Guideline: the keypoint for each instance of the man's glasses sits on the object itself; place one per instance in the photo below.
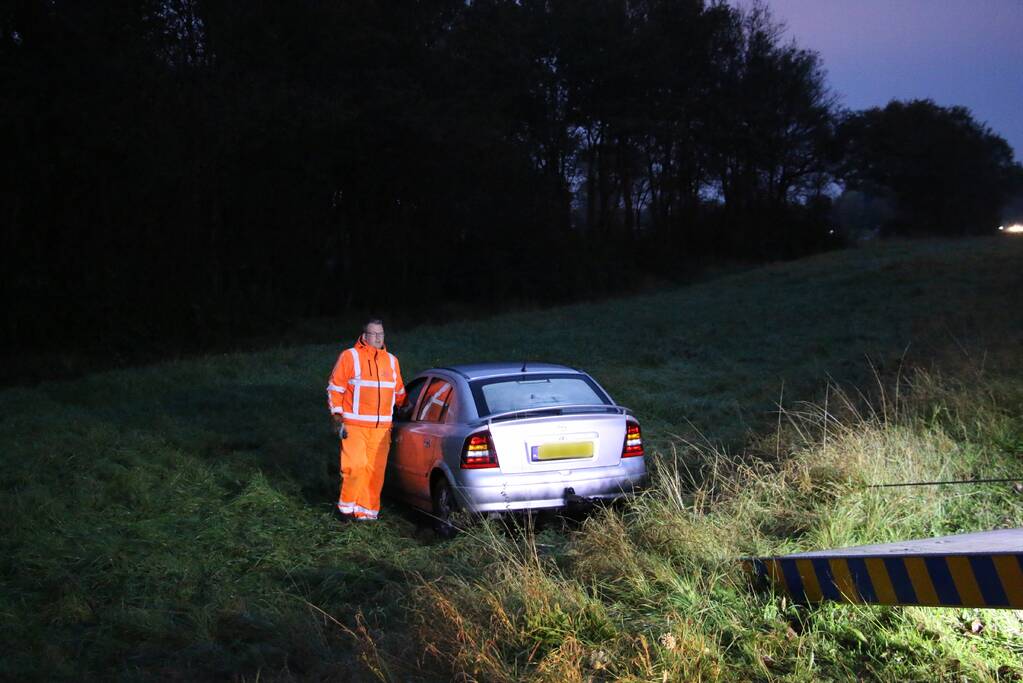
(374, 334)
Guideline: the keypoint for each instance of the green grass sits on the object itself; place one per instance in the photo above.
(173, 521)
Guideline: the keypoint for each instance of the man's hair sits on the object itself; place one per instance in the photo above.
(372, 321)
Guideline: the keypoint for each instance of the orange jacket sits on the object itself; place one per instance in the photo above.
(365, 385)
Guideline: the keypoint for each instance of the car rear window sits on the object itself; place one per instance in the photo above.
(520, 392)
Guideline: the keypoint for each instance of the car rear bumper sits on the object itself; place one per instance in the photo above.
(497, 493)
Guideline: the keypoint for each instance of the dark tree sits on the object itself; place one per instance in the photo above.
(178, 173)
(944, 172)
(773, 127)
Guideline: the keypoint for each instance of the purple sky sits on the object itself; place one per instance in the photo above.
(956, 52)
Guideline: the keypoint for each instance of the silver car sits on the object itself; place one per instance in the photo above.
(498, 437)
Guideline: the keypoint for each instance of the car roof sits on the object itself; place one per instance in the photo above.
(472, 371)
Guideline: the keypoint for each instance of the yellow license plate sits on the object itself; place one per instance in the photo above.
(562, 451)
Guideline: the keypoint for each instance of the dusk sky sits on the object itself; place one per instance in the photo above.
(956, 52)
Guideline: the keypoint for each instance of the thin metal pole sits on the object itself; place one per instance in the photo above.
(953, 481)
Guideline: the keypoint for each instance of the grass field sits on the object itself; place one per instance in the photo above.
(173, 521)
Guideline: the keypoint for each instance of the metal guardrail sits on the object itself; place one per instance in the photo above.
(982, 569)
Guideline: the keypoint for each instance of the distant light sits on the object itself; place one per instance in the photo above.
(1015, 228)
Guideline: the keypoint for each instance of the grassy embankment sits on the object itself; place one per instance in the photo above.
(173, 521)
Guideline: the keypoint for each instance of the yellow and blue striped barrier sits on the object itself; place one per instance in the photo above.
(970, 570)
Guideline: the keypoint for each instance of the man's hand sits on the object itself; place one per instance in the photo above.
(337, 424)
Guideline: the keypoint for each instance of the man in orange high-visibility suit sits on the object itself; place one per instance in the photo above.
(364, 388)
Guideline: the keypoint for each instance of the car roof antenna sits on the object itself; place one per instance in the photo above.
(523, 366)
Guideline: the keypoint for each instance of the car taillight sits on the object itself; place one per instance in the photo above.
(633, 441)
(479, 452)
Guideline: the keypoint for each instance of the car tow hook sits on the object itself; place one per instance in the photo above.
(572, 499)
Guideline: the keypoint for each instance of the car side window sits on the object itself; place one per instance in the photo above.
(404, 413)
(435, 401)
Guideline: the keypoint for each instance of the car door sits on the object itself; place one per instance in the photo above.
(403, 440)
(425, 437)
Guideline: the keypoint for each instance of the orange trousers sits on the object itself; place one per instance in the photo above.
(363, 462)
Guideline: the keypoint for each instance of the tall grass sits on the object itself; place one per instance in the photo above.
(173, 521)
(655, 591)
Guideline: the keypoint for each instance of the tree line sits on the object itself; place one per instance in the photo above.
(186, 169)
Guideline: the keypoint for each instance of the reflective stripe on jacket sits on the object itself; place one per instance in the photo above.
(365, 385)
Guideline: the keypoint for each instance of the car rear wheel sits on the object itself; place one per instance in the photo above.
(444, 507)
